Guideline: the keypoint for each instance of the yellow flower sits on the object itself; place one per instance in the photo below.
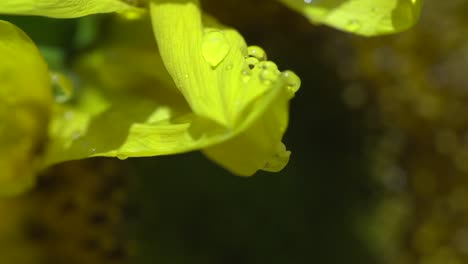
(223, 98)
(205, 89)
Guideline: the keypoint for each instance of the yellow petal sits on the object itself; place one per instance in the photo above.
(64, 8)
(142, 113)
(363, 17)
(25, 100)
(222, 82)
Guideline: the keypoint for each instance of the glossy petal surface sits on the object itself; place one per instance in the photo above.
(363, 17)
(64, 8)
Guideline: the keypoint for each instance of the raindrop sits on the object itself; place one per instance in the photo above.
(62, 87)
(251, 62)
(267, 75)
(278, 160)
(256, 52)
(292, 80)
(268, 65)
(122, 156)
(215, 47)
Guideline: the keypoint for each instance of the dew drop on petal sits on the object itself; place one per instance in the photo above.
(215, 47)
(292, 80)
(267, 75)
(278, 160)
(122, 156)
(251, 62)
(269, 65)
(256, 52)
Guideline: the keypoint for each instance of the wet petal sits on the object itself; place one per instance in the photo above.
(240, 92)
(25, 100)
(364, 17)
(65, 8)
(142, 113)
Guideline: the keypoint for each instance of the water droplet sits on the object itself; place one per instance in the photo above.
(268, 65)
(267, 75)
(215, 47)
(251, 62)
(292, 80)
(122, 156)
(229, 67)
(133, 14)
(256, 52)
(62, 87)
(92, 150)
(278, 160)
(353, 25)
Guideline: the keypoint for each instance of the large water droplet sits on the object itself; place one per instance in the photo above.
(215, 47)
(62, 87)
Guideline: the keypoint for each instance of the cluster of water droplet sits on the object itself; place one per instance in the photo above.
(256, 62)
(215, 48)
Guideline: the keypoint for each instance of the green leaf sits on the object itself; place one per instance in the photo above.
(64, 8)
(363, 17)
